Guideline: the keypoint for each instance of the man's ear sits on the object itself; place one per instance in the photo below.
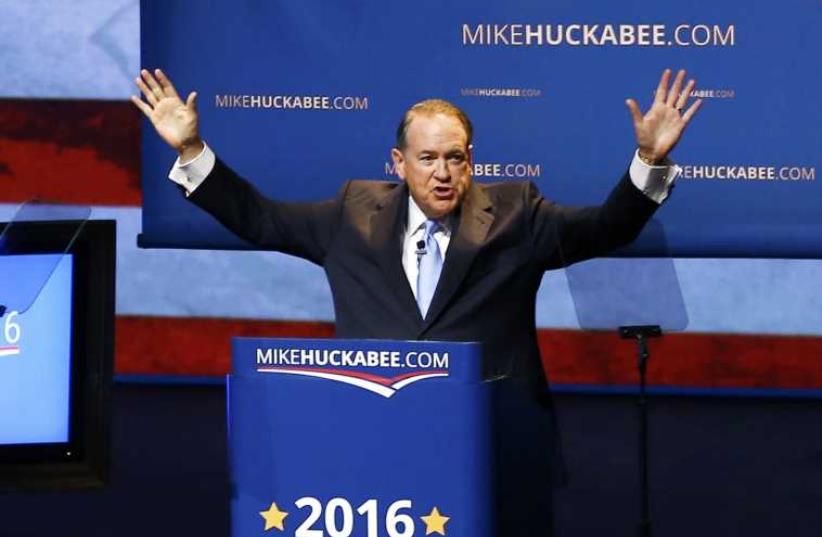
(470, 152)
(399, 162)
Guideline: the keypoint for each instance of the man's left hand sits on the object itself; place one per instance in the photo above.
(659, 130)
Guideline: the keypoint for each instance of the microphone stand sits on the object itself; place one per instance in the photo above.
(641, 333)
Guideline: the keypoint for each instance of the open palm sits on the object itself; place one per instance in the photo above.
(174, 120)
(661, 127)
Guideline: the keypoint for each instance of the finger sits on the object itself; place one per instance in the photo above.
(686, 93)
(143, 107)
(673, 95)
(168, 88)
(191, 101)
(686, 117)
(636, 114)
(152, 83)
(149, 95)
(662, 88)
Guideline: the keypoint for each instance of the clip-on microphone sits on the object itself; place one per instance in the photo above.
(420, 251)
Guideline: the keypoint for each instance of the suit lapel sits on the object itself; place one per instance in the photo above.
(387, 224)
(476, 217)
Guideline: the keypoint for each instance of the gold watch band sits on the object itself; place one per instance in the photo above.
(646, 160)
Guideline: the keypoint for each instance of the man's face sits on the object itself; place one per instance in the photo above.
(436, 163)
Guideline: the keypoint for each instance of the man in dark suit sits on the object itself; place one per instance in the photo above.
(437, 257)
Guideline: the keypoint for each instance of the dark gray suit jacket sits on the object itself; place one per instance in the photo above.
(507, 235)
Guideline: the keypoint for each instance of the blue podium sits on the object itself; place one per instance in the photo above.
(364, 438)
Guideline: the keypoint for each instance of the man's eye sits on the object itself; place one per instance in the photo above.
(426, 158)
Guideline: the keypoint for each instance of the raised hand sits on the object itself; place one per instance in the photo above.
(659, 130)
(174, 120)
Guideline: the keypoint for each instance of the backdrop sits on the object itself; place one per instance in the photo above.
(68, 132)
(299, 96)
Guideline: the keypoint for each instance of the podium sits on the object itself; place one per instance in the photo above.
(367, 438)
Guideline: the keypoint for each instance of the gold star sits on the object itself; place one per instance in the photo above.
(435, 522)
(273, 517)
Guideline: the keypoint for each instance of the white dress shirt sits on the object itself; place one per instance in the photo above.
(415, 232)
(654, 181)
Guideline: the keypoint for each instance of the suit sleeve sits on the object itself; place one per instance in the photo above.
(565, 235)
(305, 230)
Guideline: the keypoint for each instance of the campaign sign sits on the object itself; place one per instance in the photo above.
(359, 438)
(301, 96)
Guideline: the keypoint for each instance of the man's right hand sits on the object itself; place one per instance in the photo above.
(174, 120)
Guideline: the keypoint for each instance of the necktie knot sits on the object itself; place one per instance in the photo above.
(431, 227)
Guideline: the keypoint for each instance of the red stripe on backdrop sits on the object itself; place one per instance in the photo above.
(192, 346)
(84, 152)
(686, 359)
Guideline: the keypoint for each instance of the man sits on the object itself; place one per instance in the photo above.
(437, 257)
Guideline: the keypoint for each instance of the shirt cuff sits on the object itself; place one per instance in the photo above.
(656, 182)
(191, 174)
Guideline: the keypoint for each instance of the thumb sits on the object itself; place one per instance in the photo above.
(191, 101)
(636, 115)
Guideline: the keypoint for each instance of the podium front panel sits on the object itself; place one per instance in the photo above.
(359, 438)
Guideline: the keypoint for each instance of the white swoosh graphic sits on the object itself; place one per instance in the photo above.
(379, 389)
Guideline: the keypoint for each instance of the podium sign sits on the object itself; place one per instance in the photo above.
(364, 438)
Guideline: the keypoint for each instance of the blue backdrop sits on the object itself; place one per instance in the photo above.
(299, 96)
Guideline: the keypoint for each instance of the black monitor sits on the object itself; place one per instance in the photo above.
(56, 354)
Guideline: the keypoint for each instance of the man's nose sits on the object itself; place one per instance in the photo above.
(441, 172)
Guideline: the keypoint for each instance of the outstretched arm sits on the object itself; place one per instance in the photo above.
(302, 229)
(565, 235)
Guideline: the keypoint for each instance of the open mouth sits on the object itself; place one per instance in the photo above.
(444, 192)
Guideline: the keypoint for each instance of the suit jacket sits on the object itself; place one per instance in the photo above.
(506, 236)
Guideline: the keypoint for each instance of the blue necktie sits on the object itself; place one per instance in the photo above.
(430, 265)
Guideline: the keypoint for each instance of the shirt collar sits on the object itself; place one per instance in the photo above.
(417, 218)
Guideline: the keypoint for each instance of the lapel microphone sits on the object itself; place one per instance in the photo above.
(420, 251)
